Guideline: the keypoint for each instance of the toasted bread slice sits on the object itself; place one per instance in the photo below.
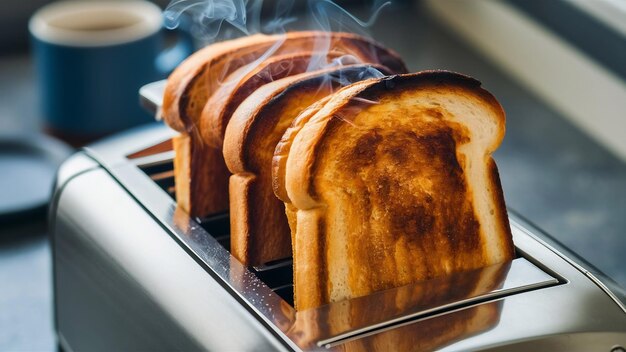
(259, 228)
(201, 184)
(279, 160)
(279, 163)
(393, 183)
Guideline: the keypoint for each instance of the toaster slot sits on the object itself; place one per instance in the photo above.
(277, 275)
(217, 226)
(160, 168)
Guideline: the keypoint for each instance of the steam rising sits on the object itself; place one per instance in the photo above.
(325, 13)
(207, 18)
(210, 19)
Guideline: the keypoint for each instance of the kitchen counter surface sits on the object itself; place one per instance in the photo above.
(552, 173)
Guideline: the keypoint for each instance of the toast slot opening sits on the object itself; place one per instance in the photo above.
(159, 166)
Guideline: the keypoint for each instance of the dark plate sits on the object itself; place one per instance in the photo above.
(28, 165)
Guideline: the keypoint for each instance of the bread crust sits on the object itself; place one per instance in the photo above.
(501, 215)
(469, 201)
(279, 161)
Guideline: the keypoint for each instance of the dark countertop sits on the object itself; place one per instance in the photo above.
(552, 173)
(26, 290)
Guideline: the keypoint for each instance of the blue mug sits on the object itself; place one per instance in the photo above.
(92, 57)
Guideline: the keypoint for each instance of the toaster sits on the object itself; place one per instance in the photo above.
(134, 272)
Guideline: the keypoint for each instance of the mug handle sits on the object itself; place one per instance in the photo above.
(171, 57)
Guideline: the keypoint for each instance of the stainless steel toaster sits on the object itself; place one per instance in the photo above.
(133, 272)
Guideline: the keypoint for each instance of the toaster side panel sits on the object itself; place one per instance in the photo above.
(122, 283)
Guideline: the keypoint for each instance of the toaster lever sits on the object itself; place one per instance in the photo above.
(151, 97)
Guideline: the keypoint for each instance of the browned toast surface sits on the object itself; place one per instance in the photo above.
(394, 183)
(259, 227)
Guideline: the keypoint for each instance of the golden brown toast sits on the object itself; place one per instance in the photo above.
(259, 228)
(393, 182)
(201, 183)
(279, 163)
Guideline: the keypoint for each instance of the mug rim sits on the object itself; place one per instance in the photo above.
(149, 15)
